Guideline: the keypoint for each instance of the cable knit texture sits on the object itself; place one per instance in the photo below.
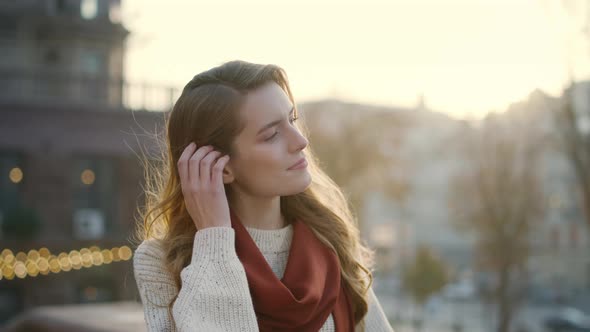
(214, 295)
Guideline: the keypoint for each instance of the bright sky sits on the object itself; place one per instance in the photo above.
(466, 57)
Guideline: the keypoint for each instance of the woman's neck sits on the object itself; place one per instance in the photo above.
(259, 213)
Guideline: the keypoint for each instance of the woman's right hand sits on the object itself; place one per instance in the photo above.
(202, 186)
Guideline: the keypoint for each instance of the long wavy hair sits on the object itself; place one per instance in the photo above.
(207, 113)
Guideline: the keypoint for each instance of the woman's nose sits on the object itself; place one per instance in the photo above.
(300, 141)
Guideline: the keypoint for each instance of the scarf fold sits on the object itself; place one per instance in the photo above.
(310, 290)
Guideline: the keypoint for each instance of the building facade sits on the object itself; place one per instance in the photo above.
(71, 137)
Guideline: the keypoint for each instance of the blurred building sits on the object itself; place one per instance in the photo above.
(70, 135)
(566, 246)
(428, 148)
(423, 218)
(422, 144)
(560, 253)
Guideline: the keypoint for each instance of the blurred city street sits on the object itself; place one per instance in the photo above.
(470, 314)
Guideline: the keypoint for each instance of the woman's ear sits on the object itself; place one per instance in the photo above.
(228, 174)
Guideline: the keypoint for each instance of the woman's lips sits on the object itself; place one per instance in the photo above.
(302, 163)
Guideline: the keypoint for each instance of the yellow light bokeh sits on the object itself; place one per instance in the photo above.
(43, 265)
(32, 269)
(115, 253)
(87, 177)
(63, 260)
(86, 260)
(6, 252)
(54, 265)
(97, 258)
(7, 271)
(107, 256)
(64, 263)
(44, 252)
(76, 260)
(9, 259)
(75, 257)
(15, 175)
(33, 255)
(43, 262)
(125, 253)
(21, 257)
(20, 270)
(9, 275)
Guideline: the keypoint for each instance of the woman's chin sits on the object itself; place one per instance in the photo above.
(300, 186)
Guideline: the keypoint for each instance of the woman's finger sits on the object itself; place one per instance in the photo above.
(205, 168)
(183, 163)
(217, 178)
(194, 161)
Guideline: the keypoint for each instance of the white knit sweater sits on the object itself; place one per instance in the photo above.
(214, 295)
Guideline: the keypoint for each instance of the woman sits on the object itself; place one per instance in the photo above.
(242, 231)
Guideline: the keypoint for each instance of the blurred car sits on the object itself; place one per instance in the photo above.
(568, 319)
(542, 295)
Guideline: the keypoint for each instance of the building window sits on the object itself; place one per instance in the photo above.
(88, 9)
(61, 5)
(11, 168)
(12, 177)
(94, 197)
(91, 62)
(64, 7)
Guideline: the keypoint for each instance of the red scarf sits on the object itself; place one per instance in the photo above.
(309, 291)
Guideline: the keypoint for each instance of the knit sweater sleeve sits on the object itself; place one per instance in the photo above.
(376, 320)
(214, 294)
(156, 286)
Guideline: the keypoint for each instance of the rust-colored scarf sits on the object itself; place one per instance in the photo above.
(309, 291)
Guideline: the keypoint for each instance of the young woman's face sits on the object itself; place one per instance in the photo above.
(268, 146)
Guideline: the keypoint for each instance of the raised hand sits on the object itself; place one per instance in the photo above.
(202, 186)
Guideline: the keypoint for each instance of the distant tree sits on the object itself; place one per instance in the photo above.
(573, 126)
(498, 197)
(424, 276)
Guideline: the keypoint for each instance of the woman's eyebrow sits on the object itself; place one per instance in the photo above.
(274, 123)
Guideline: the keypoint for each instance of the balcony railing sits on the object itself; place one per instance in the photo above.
(62, 88)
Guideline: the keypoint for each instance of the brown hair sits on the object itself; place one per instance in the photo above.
(207, 113)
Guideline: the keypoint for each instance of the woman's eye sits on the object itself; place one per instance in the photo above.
(273, 136)
(276, 133)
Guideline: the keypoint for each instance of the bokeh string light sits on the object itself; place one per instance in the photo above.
(41, 261)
